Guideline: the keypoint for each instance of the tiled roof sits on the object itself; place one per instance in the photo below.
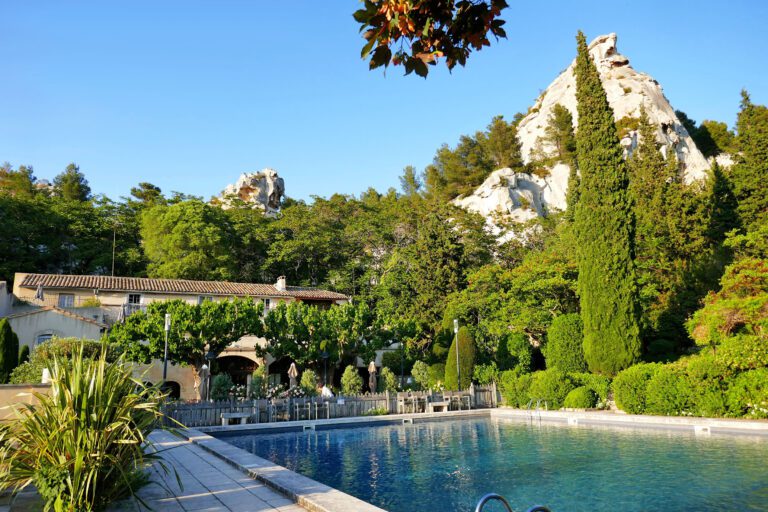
(174, 286)
(55, 310)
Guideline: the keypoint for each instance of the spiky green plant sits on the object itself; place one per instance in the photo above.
(83, 446)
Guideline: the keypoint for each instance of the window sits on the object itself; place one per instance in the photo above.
(66, 300)
(204, 298)
(267, 305)
(42, 338)
(134, 298)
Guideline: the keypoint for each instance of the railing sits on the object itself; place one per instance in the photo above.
(203, 414)
(492, 496)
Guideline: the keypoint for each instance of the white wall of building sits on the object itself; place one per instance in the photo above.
(29, 327)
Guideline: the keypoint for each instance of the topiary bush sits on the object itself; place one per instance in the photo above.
(707, 381)
(466, 361)
(420, 373)
(600, 385)
(387, 381)
(9, 350)
(351, 381)
(629, 387)
(551, 385)
(221, 386)
(667, 392)
(564, 348)
(514, 387)
(580, 398)
(309, 382)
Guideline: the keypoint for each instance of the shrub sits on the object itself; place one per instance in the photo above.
(707, 382)
(515, 351)
(486, 373)
(351, 381)
(580, 398)
(309, 383)
(387, 380)
(83, 445)
(552, 386)
(222, 384)
(259, 381)
(629, 387)
(514, 387)
(744, 352)
(9, 350)
(420, 374)
(394, 359)
(437, 376)
(466, 361)
(667, 392)
(62, 350)
(24, 354)
(600, 385)
(748, 394)
(564, 348)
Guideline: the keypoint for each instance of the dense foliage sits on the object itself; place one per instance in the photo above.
(564, 349)
(604, 225)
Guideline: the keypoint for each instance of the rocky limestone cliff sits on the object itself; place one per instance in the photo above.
(263, 189)
(627, 90)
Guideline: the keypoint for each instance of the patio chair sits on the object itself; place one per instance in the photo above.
(278, 410)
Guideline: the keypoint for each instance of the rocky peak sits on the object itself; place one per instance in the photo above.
(628, 91)
(263, 189)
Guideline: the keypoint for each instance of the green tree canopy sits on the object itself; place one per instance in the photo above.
(604, 225)
(71, 184)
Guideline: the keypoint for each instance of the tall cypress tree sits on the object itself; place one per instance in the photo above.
(604, 224)
(750, 174)
(9, 350)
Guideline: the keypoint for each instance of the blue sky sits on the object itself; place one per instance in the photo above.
(188, 95)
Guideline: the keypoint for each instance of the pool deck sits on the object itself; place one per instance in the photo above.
(209, 484)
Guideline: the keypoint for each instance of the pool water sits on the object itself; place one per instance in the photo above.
(447, 466)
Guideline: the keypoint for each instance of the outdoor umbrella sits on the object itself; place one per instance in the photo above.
(203, 389)
(293, 373)
(372, 377)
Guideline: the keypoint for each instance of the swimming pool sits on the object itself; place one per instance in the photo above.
(448, 465)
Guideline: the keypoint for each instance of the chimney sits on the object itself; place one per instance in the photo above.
(280, 284)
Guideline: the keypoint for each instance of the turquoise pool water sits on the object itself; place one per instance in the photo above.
(447, 466)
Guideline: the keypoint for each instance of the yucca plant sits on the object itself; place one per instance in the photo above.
(83, 446)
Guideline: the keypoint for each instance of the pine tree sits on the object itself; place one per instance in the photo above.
(750, 174)
(604, 224)
(466, 361)
(9, 350)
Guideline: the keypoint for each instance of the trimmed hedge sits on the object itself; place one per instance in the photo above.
(668, 392)
(552, 386)
(564, 348)
(580, 398)
(629, 387)
(514, 387)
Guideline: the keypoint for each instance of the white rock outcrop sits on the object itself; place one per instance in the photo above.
(263, 189)
(627, 91)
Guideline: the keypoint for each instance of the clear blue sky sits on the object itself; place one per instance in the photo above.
(188, 95)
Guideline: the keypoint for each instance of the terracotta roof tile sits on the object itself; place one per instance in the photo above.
(172, 286)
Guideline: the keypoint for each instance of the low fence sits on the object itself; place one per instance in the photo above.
(203, 414)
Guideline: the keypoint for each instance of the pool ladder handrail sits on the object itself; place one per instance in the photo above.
(538, 408)
(493, 496)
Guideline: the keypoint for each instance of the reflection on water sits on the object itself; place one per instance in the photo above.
(448, 465)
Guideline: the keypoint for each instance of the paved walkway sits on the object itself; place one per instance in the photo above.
(209, 484)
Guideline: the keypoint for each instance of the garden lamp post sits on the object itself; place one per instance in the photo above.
(402, 365)
(165, 353)
(458, 368)
(209, 356)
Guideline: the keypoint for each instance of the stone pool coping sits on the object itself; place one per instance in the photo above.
(697, 425)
